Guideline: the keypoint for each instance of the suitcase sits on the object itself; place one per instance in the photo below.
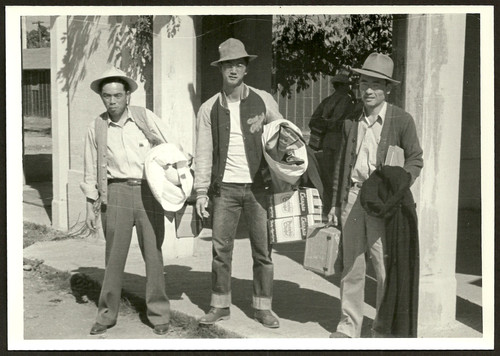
(323, 251)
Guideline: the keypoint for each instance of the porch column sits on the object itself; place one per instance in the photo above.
(60, 120)
(433, 95)
(176, 98)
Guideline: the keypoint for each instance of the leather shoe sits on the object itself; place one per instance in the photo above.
(161, 329)
(266, 318)
(339, 335)
(214, 315)
(291, 159)
(98, 329)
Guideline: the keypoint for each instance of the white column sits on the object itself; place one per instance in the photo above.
(24, 33)
(434, 84)
(60, 121)
(176, 100)
(175, 88)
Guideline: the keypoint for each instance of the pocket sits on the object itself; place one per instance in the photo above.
(144, 146)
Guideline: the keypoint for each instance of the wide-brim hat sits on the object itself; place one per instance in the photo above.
(232, 49)
(169, 175)
(113, 72)
(377, 65)
(340, 78)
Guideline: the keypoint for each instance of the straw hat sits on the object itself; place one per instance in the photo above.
(113, 72)
(232, 49)
(168, 175)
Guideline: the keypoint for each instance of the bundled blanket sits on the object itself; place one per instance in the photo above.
(386, 194)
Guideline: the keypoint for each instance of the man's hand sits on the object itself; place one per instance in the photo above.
(334, 216)
(201, 207)
(91, 220)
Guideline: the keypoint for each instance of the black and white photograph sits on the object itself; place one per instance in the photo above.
(250, 177)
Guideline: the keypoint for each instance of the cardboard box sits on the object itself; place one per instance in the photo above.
(187, 222)
(290, 229)
(322, 250)
(304, 201)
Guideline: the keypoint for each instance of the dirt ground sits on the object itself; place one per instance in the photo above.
(37, 135)
(51, 311)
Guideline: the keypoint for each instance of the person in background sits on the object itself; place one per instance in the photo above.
(229, 163)
(367, 134)
(326, 122)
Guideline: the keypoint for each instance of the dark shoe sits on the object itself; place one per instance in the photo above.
(266, 318)
(291, 159)
(214, 315)
(339, 335)
(98, 329)
(161, 329)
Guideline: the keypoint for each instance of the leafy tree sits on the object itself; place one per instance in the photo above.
(33, 38)
(307, 46)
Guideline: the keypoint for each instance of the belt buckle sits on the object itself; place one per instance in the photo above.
(134, 181)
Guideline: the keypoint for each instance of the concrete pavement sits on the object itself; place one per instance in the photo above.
(306, 303)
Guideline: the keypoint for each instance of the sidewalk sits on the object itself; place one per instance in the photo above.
(306, 303)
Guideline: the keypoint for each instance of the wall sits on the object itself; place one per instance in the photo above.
(88, 46)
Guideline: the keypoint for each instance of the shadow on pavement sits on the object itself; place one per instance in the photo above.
(290, 301)
(295, 251)
(86, 282)
(38, 174)
(37, 167)
(470, 314)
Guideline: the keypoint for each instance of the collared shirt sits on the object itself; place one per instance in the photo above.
(367, 145)
(127, 149)
(237, 170)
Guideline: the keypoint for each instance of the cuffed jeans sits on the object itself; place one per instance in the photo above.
(128, 206)
(233, 199)
(360, 233)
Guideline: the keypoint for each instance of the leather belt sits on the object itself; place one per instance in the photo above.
(129, 181)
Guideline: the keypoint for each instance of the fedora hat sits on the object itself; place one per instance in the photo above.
(113, 72)
(168, 175)
(232, 49)
(377, 65)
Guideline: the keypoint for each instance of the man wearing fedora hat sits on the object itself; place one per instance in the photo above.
(114, 184)
(228, 167)
(327, 121)
(367, 134)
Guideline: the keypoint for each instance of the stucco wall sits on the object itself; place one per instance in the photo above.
(90, 48)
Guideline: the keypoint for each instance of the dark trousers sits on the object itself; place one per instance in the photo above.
(128, 206)
(233, 199)
(327, 165)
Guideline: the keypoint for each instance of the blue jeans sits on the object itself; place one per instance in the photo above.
(228, 205)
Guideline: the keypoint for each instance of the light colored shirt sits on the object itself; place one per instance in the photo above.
(237, 170)
(127, 149)
(367, 145)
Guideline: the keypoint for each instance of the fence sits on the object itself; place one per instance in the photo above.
(300, 106)
(36, 93)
